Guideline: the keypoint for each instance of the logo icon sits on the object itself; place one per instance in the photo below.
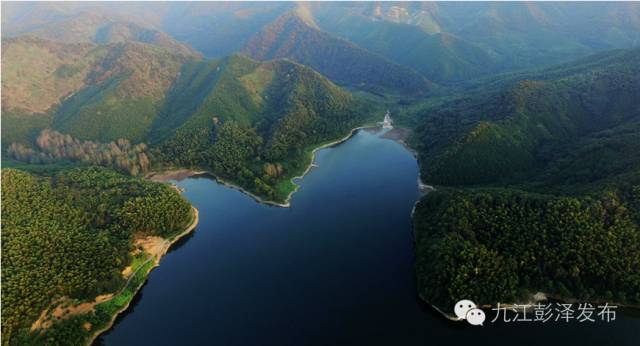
(475, 317)
(467, 310)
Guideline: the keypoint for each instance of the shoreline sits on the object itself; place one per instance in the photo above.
(400, 135)
(313, 158)
(156, 263)
(183, 173)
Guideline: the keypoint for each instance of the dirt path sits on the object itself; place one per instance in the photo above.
(158, 250)
(64, 307)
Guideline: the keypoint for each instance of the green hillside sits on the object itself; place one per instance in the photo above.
(124, 93)
(102, 92)
(295, 38)
(249, 122)
(254, 123)
(535, 170)
(504, 245)
(99, 27)
(506, 127)
(69, 237)
(440, 57)
(37, 74)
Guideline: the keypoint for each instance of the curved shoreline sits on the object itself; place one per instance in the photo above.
(313, 159)
(165, 249)
(182, 173)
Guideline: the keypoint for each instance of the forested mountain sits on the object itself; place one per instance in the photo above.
(446, 42)
(101, 28)
(90, 91)
(525, 116)
(440, 56)
(254, 123)
(521, 34)
(504, 245)
(293, 37)
(250, 122)
(71, 235)
(518, 123)
(542, 172)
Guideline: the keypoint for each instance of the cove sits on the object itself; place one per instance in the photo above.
(336, 268)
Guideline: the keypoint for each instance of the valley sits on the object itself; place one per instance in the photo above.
(351, 269)
(509, 168)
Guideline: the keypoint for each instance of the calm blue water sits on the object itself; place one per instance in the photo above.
(334, 269)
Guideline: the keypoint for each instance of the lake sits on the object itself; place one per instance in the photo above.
(336, 268)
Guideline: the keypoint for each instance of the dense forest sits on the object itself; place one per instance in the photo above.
(294, 37)
(440, 57)
(249, 122)
(537, 171)
(539, 176)
(502, 245)
(258, 123)
(70, 235)
(513, 126)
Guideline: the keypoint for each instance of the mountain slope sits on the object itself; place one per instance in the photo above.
(511, 124)
(37, 74)
(250, 122)
(93, 26)
(90, 91)
(440, 57)
(290, 36)
(254, 121)
(541, 175)
(124, 93)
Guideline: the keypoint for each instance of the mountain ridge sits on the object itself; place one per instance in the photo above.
(342, 61)
(103, 28)
(533, 169)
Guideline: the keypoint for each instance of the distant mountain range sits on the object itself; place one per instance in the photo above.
(102, 28)
(525, 116)
(445, 42)
(179, 103)
(290, 36)
(101, 71)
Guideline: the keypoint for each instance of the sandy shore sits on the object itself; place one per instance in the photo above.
(177, 174)
(160, 248)
(183, 173)
(400, 135)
